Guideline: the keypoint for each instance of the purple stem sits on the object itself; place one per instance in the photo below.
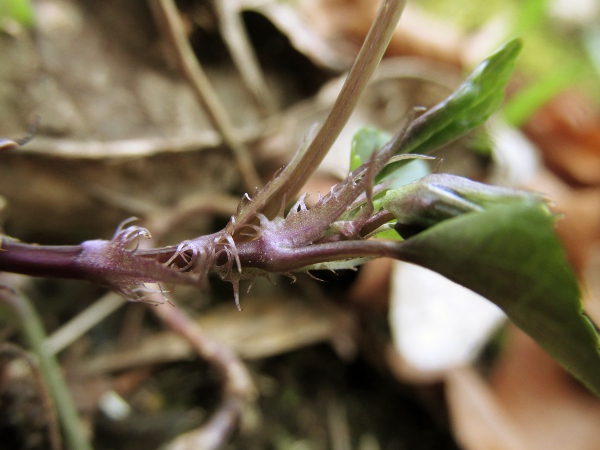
(280, 259)
(38, 260)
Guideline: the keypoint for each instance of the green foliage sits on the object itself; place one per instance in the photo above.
(468, 107)
(368, 140)
(364, 142)
(528, 100)
(497, 242)
(509, 253)
(19, 10)
(530, 15)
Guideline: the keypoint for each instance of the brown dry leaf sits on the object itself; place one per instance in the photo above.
(478, 421)
(351, 19)
(329, 32)
(579, 230)
(551, 409)
(102, 90)
(567, 132)
(531, 403)
(269, 326)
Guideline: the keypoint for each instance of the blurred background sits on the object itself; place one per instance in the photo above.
(387, 357)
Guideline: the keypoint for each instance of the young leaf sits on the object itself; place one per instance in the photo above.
(364, 142)
(510, 254)
(441, 196)
(469, 106)
(368, 140)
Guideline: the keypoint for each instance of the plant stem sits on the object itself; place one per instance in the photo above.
(376, 221)
(282, 260)
(39, 260)
(36, 335)
(359, 76)
(306, 161)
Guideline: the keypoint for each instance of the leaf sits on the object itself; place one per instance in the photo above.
(368, 140)
(364, 142)
(510, 254)
(469, 106)
(441, 196)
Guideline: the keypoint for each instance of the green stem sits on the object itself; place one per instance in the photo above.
(34, 332)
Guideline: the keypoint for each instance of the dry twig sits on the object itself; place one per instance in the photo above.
(168, 15)
(233, 33)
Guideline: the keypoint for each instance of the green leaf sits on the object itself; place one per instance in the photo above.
(369, 139)
(364, 142)
(510, 254)
(469, 106)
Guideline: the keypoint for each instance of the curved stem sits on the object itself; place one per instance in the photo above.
(377, 220)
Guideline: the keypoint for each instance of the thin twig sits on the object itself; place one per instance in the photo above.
(83, 322)
(238, 388)
(361, 72)
(168, 15)
(243, 56)
(34, 332)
